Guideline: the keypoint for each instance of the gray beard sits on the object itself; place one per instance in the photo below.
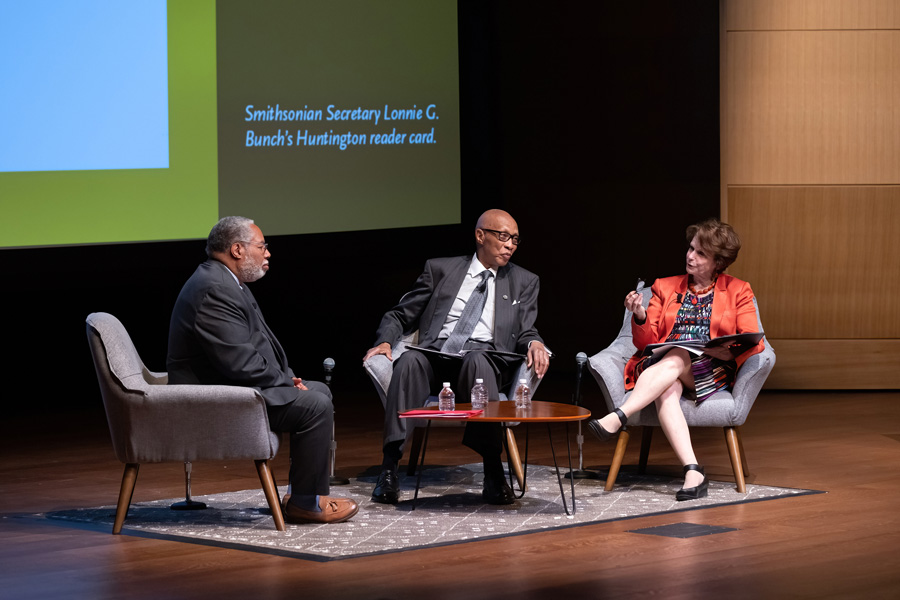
(250, 273)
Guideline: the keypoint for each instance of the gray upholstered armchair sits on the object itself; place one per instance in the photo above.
(724, 409)
(152, 422)
(380, 369)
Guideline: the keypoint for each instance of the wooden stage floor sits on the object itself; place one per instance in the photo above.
(843, 544)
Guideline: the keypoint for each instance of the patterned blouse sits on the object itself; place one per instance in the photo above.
(692, 323)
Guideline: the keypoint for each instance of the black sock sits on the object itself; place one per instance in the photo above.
(493, 466)
(392, 456)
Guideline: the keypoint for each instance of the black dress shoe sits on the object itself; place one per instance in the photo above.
(497, 491)
(598, 430)
(387, 488)
(696, 492)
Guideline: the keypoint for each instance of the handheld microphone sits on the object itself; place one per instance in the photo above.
(580, 359)
(328, 365)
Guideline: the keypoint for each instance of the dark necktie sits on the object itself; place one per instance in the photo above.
(469, 317)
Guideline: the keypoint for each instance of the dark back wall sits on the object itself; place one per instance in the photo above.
(597, 128)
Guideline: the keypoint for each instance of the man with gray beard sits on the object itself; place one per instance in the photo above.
(217, 335)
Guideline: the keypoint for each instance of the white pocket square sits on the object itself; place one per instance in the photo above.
(515, 302)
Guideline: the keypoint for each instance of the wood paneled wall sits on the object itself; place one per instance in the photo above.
(811, 181)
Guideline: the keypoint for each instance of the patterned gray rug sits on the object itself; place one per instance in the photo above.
(449, 511)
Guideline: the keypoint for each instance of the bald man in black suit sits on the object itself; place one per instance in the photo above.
(434, 306)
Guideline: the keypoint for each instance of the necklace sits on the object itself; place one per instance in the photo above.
(697, 292)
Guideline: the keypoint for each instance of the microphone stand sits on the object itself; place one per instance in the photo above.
(580, 359)
(328, 365)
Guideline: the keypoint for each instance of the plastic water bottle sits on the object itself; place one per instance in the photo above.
(446, 399)
(523, 394)
(479, 395)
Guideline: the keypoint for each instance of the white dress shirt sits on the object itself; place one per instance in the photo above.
(484, 330)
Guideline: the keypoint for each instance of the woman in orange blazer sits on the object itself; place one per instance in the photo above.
(703, 304)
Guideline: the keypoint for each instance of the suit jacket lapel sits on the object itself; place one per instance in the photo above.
(445, 294)
(261, 323)
(503, 309)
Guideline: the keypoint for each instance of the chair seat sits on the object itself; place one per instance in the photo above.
(720, 409)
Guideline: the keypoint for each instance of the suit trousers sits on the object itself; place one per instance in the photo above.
(310, 420)
(417, 374)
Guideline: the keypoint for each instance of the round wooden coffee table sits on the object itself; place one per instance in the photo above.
(505, 412)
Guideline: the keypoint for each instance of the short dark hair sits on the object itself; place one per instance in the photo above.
(226, 232)
(717, 238)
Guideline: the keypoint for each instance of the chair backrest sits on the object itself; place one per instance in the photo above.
(111, 343)
(121, 374)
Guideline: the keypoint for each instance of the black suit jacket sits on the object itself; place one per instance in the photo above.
(217, 335)
(427, 305)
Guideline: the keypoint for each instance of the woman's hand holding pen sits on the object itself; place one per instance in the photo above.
(634, 302)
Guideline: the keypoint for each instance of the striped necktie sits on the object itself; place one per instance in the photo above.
(469, 317)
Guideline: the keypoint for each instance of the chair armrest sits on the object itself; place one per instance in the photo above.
(155, 378)
(195, 422)
(749, 381)
(380, 369)
(527, 373)
(608, 369)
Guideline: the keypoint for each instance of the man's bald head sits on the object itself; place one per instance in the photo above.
(495, 218)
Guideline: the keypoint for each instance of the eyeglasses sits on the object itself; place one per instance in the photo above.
(263, 245)
(503, 236)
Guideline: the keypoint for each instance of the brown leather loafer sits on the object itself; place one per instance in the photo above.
(333, 510)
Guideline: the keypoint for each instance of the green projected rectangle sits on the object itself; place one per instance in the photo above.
(306, 116)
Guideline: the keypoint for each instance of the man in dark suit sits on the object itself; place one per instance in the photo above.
(436, 305)
(217, 335)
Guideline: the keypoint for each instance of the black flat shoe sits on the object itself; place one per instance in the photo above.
(387, 488)
(696, 492)
(604, 435)
(497, 491)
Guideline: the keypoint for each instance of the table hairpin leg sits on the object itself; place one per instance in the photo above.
(421, 464)
(559, 478)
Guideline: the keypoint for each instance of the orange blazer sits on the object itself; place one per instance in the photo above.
(732, 312)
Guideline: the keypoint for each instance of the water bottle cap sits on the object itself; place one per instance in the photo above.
(446, 384)
(479, 381)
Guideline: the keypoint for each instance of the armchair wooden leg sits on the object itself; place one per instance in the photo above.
(415, 448)
(515, 461)
(646, 438)
(618, 457)
(733, 440)
(126, 491)
(737, 431)
(268, 486)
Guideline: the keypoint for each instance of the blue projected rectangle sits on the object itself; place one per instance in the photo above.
(84, 85)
